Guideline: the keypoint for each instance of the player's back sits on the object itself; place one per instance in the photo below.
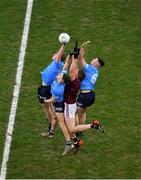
(71, 91)
(51, 71)
(91, 76)
(57, 91)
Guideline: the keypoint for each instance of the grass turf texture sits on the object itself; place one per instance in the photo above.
(113, 27)
(11, 24)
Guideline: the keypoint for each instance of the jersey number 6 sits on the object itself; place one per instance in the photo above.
(94, 77)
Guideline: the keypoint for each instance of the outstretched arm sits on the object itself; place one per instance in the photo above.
(74, 68)
(67, 63)
(81, 57)
(59, 54)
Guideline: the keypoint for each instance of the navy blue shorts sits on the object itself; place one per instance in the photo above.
(43, 93)
(59, 107)
(85, 99)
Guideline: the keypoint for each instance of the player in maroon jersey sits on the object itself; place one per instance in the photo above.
(71, 91)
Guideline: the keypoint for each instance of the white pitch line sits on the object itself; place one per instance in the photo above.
(16, 91)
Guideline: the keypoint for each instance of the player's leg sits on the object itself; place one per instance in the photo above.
(81, 108)
(62, 124)
(85, 99)
(53, 120)
(44, 93)
(59, 108)
(81, 114)
(69, 113)
(47, 112)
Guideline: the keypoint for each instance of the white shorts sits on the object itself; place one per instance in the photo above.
(70, 110)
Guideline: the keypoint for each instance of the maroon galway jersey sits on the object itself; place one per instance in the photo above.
(71, 91)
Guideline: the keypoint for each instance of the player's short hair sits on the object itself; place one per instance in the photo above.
(81, 74)
(66, 79)
(101, 62)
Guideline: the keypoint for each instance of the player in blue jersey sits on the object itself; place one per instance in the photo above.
(86, 96)
(48, 76)
(57, 98)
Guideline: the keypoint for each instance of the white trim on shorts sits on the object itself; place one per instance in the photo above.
(70, 110)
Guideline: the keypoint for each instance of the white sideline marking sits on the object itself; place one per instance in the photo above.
(16, 91)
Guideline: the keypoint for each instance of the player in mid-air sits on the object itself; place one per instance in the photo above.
(57, 98)
(71, 91)
(86, 96)
(48, 76)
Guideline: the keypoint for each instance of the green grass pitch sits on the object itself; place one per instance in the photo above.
(114, 29)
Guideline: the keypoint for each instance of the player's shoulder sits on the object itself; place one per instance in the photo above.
(86, 65)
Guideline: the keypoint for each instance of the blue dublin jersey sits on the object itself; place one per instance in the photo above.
(91, 74)
(57, 91)
(51, 71)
